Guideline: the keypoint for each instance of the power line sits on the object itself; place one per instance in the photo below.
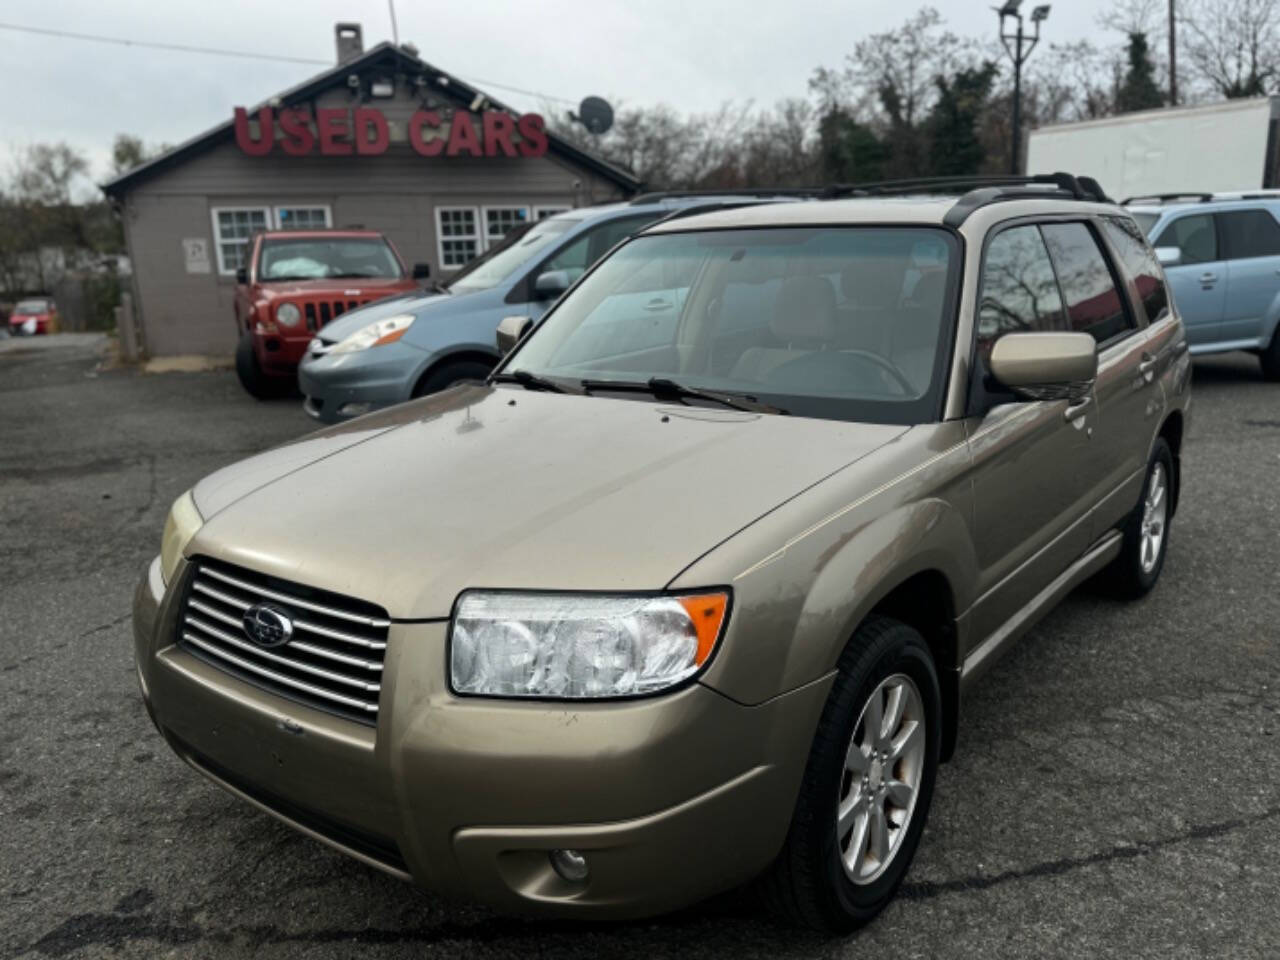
(245, 54)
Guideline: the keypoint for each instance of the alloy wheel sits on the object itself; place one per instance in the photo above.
(1155, 512)
(883, 769)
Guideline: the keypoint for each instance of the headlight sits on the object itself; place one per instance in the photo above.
(375, 334)
(180, 526)
(580, 646)
(288, 314)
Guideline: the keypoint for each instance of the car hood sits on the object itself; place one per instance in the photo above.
(335, 288)
(423, 306)
(497, 487)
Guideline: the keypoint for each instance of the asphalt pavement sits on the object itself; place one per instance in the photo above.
(1116, 791)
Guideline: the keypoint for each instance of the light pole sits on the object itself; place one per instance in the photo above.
(1018, 45)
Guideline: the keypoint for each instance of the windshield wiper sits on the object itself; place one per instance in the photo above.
(665, 389)
(530, 381)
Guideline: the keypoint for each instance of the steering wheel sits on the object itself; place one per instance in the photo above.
(908, 388)
(824, 361)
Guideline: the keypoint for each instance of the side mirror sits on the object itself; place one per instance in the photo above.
(421, 271)
(1169, 256)
(1045, 366)
(510, 331)
(242, 275)
(551, 284)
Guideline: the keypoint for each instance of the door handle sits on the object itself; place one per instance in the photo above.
(1147, 368)
(1208, 278)
(655, 305)
(1076, 410)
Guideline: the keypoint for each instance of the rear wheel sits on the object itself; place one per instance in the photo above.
(1270, 358)
(867, 787)
(257, 383)
(450, 372)
(1146, 532)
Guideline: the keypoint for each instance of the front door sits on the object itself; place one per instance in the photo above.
(1029, 503)
(1199, 281)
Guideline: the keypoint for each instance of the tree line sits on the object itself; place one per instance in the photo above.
(924, 100)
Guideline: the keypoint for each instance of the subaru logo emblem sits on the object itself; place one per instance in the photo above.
(268, 625)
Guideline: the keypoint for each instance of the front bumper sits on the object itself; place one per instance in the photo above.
(671, 798)
(340, 387)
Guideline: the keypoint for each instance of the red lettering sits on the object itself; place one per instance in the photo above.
(332, 124)
(533, 136)
(266, 132)
(372, 136)
(419, 120)
(462, 136)
(298, 139)
(498, 127)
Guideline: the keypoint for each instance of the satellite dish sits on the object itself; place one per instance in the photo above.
(595, 114)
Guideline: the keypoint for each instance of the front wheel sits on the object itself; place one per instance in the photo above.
(448, 373)
(865, 795)
(1270, 358)
(258, 384)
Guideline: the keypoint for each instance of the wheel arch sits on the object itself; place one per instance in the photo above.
(1171, 430)
(470, 353)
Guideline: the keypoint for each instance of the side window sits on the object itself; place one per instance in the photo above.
(593, 244)
(1140, 262)
(1194, 236)
(1019, 290)
(1249, 233)
(1093, 303)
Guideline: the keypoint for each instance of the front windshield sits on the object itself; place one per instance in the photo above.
(1145, 221)
(29, 308)
(320, 258)
(841, 322)
(502, 263)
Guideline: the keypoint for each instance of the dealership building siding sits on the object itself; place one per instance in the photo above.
(198, 190)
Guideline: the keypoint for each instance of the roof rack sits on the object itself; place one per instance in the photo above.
(742, 192)
(1197, 196)
(978, 191)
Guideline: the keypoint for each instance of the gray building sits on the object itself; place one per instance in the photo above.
(383, 141)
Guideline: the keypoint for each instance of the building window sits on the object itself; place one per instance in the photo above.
(458, 233)
(232, 227)
(498, 221)
(302, 218)
(541, 213)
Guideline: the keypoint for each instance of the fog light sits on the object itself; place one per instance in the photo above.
(354, 409)
(570, 864)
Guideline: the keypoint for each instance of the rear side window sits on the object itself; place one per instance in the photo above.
(1140, 262)
(1093, 303)
(1194, 236)
(1019, 292)
(1249, 233)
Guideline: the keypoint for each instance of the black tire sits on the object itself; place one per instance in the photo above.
(1127, 577)
(807, 884)
(258, 384)
(1270, 359)
(450, 372)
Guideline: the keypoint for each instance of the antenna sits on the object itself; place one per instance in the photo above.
(595, 114)
(395, 31)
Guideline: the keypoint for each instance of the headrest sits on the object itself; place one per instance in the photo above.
(873, 281)
(805, 310)
(930, 289)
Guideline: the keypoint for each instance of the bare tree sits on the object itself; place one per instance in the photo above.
(1233, 44)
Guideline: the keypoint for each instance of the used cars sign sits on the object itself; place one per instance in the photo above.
(340, 132)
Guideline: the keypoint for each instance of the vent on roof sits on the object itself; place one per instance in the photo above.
(349, 41)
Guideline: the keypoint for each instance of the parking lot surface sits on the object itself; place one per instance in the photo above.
(1116, 791)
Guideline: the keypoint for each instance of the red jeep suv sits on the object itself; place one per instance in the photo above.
(296, 282)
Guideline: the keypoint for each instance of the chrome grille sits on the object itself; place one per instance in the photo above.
(333, 661)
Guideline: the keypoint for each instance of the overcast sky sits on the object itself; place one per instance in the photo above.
(693, 54)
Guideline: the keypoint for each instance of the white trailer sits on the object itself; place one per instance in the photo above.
(1221, 147)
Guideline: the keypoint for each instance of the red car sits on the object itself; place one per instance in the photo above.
(295, 283)
(37, 315)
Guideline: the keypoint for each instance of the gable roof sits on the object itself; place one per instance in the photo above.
(385, 56)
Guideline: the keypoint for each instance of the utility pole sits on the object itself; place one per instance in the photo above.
(1173, 56)
(1019, 46)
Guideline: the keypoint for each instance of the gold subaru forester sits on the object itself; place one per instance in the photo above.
(688, 592)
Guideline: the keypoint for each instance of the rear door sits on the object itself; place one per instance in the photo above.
(1199, 281)
(1251, 247)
